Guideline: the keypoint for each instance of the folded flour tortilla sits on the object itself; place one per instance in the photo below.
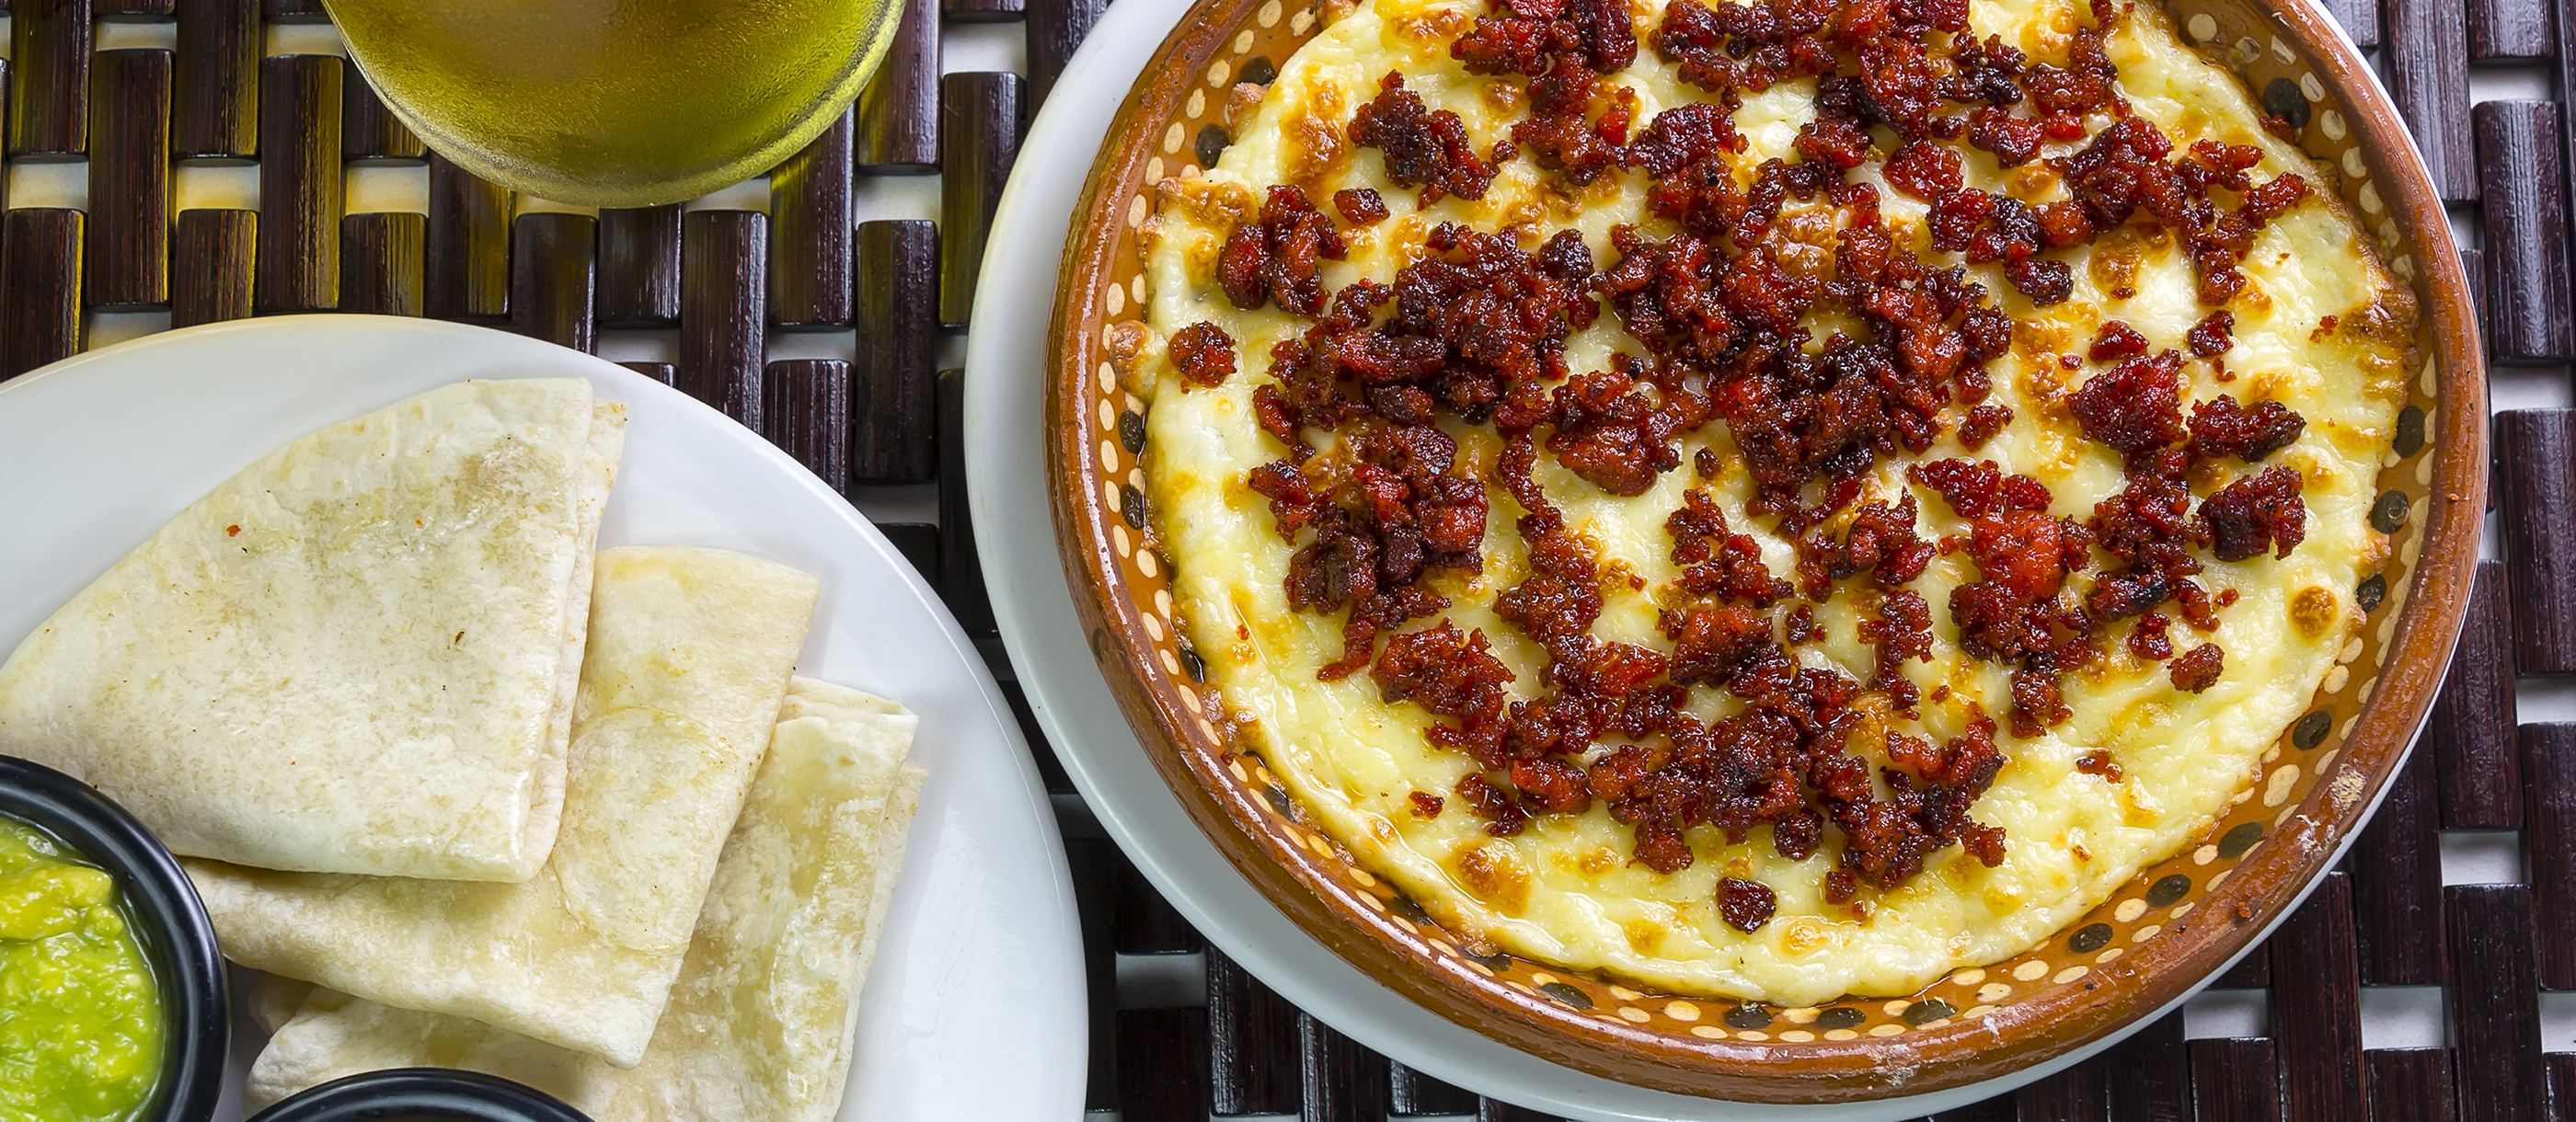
(357, 655)
(761, 1022)
(690, 655)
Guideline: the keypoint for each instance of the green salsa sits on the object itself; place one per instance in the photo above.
(80, 1016)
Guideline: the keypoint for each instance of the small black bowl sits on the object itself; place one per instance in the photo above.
(169, 921)
(421, 1094)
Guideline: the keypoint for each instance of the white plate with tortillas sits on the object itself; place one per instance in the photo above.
(977, 954)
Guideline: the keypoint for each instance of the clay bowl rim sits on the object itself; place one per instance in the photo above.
(2021, 1035)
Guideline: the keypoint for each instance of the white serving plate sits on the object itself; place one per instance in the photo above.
(1006, 388)
(981, 957)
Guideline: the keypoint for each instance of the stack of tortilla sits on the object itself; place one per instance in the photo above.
(356, 656)
(506, 803)
(762, 1018)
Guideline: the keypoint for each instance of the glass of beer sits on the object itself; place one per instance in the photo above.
(617, 103)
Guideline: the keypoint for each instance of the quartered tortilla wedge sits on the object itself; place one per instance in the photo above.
(357, 655)
(690, 655)
(762, 1020)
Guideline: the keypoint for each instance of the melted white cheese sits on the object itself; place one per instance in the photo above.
(1564, 891)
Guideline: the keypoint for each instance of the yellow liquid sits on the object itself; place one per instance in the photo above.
(617, 103)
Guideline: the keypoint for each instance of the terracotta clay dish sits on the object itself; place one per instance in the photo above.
(2135, 947)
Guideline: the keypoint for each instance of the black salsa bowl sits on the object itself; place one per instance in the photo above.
(420, 1094)
(168, 920)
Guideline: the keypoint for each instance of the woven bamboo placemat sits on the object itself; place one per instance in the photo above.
(175, 162)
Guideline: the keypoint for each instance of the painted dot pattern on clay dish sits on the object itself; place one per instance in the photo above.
(2133, 917)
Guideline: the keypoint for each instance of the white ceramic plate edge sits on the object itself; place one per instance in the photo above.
(982, 951)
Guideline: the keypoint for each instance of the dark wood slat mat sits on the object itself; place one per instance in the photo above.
(2525, 191)
(809, 199)
(2471, 733)
(369, 131)
(893, 419)
(129, 179)
(49, 53)
(380, 262)
(639, 267)
(301, 185)
(466, 260)
(731, 297)
(554, 279)
(724, 309)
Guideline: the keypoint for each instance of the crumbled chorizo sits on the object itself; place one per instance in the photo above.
(2198, 668)
(1717, 562)
(2213, 335)
(1610, 431)
(1577, 127)
(1748, 47)
(2084, 85)
(2261, 511)
(1293, 503)
(2123, 169)
(1504, 816)
(1204, 354)
(2037, 702)
(1474, 331)
(2116, 340)
(2223, 426)
(1713, 645)
(1880, 540)
(1552, 786)
(1662, 847)
(1682, 136)
(1423, 148)
(2148, 640)
(1443, 671)
(2148, 526)
(1981, 425)
(2047, 281)
(1797, 835)
(1990, 71)
(2023, 551)
(1924, 169)
(2064, 223)
(1278, 256)
(1901, 631)
(2013, 141)
(1926, 810)
(1957, 216)
(1608, 34)
(1801, 626)
(2272, 199)
(2012, 232)
(1565, 259)
(1746, 904)
(1979, 490)
(1360, 206)
(2135, 406)
(1513, 44)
